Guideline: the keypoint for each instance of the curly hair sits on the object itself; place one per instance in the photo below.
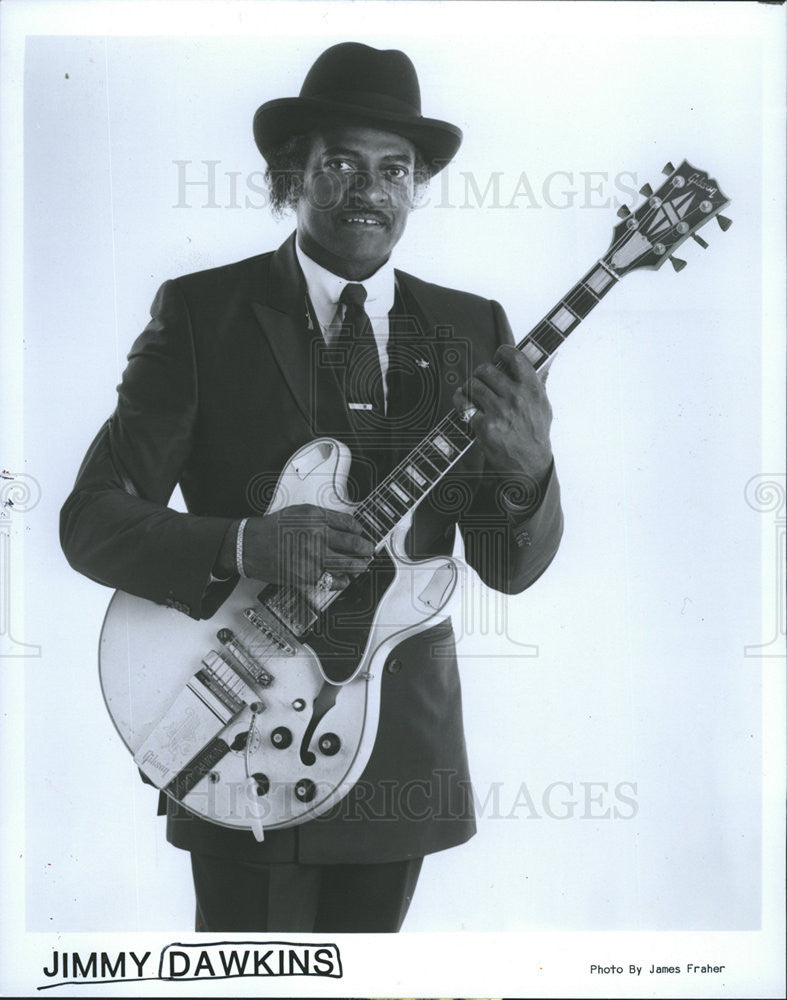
(286, 165)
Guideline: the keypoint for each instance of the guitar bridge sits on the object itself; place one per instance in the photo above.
(240, 654)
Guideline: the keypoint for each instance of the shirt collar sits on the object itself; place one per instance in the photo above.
(325, 289)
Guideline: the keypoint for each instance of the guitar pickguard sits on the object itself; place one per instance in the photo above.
(340, 636)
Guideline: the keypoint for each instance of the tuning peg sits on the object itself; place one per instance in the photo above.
(668, 168)
(724, 222)
(700, 240)
(677, 263)
(646, 190)
(624, 212)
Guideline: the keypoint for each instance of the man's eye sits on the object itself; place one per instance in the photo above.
(398, 173)
(337, 164)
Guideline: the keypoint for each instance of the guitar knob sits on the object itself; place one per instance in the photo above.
(700, 240)
(646, 190)
(263, 783)
(677, 263)
(240, 741)
(281, 737)
(330, 744)
(724, 222)
(668, 168)
(305, 790)
(624, 212)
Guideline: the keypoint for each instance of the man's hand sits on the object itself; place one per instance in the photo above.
(513, 414)
(298, 544)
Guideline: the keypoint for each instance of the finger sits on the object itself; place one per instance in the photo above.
(521, 372)
(461, 400)
(495, 379)
(348, 544)
(336, 562)
(484, 397)
(514, 363)
(342, 521)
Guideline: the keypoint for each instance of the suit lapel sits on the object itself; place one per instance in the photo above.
(442, 348)
(305, 363)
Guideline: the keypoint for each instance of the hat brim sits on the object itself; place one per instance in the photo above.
(276, 121)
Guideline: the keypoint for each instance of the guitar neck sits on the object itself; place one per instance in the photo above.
(424, 467)
(546, 337)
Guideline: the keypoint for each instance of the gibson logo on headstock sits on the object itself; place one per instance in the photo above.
(698, 182)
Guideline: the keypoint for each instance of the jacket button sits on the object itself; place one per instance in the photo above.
(393, 666)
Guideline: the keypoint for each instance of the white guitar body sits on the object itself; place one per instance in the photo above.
(154, 664)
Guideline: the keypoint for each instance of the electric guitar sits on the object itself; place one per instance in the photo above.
(265, 715)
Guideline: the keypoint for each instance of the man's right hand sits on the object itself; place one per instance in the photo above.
(297, 545)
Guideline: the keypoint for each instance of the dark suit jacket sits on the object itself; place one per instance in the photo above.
(220, 389)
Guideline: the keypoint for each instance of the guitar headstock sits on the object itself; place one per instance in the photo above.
(668, 217)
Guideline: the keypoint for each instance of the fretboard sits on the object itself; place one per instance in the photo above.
(406, 485)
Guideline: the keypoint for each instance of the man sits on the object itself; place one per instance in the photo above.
(229, 378)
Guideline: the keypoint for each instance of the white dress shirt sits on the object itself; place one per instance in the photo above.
(325, 289)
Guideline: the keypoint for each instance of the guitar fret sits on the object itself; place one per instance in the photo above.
(400, 493)
(381, 512)
(464, 437)
(428, 472)
(416, 476)
(389, 512)
(547, 337)
(563, 318)
(580, 300)
(367, 514)
(444, 446)
(426, 459)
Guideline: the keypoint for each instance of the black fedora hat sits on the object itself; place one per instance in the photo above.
(356, 83)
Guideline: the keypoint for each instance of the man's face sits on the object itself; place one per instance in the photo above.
(357, 193)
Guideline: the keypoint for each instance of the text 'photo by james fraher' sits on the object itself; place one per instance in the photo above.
(392, 536)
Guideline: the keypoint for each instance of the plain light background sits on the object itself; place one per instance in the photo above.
(625, 663)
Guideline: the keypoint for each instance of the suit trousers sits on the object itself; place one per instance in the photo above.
(345, 898)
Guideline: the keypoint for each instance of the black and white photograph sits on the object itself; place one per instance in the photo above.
(392, 525)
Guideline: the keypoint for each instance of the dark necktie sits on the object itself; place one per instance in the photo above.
(363, 377)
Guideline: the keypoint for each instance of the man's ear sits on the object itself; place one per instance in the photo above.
(420, 189)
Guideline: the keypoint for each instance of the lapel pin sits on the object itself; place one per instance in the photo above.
(422, 363)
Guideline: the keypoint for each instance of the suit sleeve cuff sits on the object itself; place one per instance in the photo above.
(521, 496)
